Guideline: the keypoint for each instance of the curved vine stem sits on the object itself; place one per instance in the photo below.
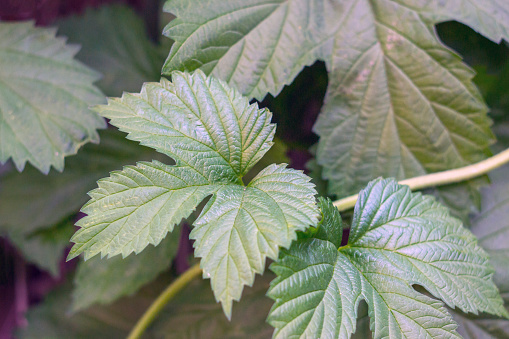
(440, 178)
(161, 301)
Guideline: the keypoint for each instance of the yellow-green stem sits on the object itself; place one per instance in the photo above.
(161, 301)
(441, 178)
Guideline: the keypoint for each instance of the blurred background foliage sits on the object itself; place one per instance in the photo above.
(122, 41)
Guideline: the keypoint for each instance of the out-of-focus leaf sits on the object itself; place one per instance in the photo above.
(52, 319)
(103, 281)
(36, 210)
(114, 42)
(52, 198)
(44, 98)
(194, 314)
(491, 226)
(45, 247)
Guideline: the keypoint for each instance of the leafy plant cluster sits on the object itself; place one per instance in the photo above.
(398, 104)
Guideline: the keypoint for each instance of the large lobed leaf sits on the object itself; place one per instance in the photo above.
(44, 98)
(215, 136)
(397, 239)
(399, 103)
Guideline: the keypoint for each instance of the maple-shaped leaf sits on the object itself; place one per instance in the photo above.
(215, 136)
(399, 103)
(44, 98)
(397, 239)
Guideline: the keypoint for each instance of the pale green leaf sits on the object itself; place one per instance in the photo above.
(241, 226)
(399, 103)
(397, 239)
(136, 207)
(115, 44)
(103, 281)
(215, 137)
(44, 98)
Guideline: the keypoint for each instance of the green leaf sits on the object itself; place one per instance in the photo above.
(397, 239)
(118, 276)
(195, 314)
(116, 44)
(215, 136)
(488, 17)
(399, 103)
(44, 98)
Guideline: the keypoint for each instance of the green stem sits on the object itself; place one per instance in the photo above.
(161, 301)
(440, 178)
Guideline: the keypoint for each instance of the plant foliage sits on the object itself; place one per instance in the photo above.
(44, 98)
(385, 64)
(397, 239)
(215, 137)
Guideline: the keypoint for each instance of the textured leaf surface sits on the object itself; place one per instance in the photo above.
(194, 314)
(399, 103)
(397, 239)
(215, 137)
(44, 98)
(116, 45)
(103, 281)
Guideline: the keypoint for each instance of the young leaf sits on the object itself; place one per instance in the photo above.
(397, 239)
(215, 136)
(399, 103)
(44, 98)
(118, 276)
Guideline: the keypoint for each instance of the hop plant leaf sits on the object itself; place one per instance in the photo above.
(398, 104)
(397, 239)
(44, 98)
(215, 136)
